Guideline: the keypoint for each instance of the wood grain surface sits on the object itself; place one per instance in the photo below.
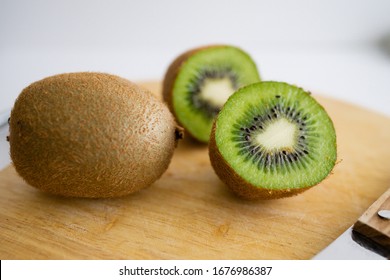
(374, 227)
(190, 214)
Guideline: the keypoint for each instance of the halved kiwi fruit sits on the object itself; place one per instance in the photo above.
(272, 140)
(198, 83)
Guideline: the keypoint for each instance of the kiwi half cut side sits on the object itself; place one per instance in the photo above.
(198, 83)
(272, 140)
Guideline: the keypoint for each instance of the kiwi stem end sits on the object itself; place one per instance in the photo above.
(179, 133)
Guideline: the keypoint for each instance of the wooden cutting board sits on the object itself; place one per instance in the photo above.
(190, 214)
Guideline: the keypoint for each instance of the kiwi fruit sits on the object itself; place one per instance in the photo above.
(90, 135)
(272, 140)
(199, 81)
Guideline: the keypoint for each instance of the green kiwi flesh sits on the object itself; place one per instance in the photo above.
(272, 140)
(199, 82)
(90, 135)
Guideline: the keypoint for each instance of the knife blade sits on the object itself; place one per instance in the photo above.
(367, 239)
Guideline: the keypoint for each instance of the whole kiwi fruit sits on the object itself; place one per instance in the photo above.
(272, 140)
(90, 135)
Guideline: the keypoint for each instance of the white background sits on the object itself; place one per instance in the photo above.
(338, 48)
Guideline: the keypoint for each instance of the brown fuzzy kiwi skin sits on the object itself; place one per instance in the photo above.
(170, 78)
(90, 135)
(236, 183)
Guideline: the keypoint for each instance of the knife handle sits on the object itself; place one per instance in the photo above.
(372, 226)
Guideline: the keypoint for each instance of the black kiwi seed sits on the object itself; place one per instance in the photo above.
(278, 159)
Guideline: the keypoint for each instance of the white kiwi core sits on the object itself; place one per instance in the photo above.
(217, 91)
(278, 135)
